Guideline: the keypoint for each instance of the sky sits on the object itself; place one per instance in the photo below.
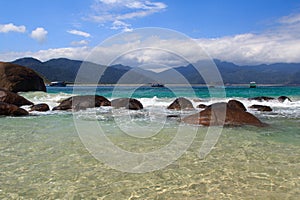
(240, 31)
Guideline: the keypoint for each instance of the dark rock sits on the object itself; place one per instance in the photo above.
(82, 102)
(201, 106)
(261, 108)
(12, 98)
(11, 110)
(181, 104)
(262, 98)
(236, 105)
(220, 114)
(173, 116)
(128, 103)
(42, 107)
(284, 98)
(16, 78)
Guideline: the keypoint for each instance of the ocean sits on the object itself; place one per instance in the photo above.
(106, 153)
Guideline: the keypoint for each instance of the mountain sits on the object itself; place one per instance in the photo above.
(63, 69)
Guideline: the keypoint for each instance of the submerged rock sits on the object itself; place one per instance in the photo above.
(13, 98)
(262, 98)
(82, 102)
(128, 103)
(11, 110)
(17, 78)
(181, 103)
(284, 98)
(223, 114)
(261, 108)
(42, 107)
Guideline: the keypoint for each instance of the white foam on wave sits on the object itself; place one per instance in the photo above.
(158, 106)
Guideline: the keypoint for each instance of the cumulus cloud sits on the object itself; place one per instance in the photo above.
(118, 11)
(79, 33)
(5, 28)
(39, 34)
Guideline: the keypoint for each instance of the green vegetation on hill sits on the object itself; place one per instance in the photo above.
(63, 69)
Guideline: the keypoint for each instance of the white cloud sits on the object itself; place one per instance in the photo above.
(39, 34)
(80, 33)
(111, 11)
(5, 28)
(79, 43)
(281, 44)
(121, 25)
(290, 19)
(44, 55)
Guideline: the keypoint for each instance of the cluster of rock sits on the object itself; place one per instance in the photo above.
(16, 78)
(232, 113)
(13, 79)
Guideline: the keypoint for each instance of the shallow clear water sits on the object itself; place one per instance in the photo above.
(42, 156)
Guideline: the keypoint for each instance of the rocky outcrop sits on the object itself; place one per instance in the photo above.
(12, 98)
(128, 103)
(16, 78)
(181, 104)
(262, 98)
(261, 108)
(11, 110)
(222, 114)
(82, 102)
(284, 98)
(42, 107)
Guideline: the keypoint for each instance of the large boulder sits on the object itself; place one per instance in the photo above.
(11, 110)
(17, 78)
(236, 105)
(82, 102)
(284, 98)
(261, 108)
(181, 104)
(12, 98)
(42, 107)
(128, 103)
(220, 114)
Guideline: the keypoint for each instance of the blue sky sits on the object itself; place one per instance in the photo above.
(241, 31)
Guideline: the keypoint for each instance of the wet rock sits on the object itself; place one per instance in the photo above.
(13, 98)
(262, 98)
(181, 104)
(42, 107)
(16, 78)
(201, 106)
(173, 116)
(82, 102)
(128, 103)
(11, 110)
(261, 108)
(284, 98)
(220, 114)
(236, 105)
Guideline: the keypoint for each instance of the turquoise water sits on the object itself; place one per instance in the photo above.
(44, 155)
(168, 92)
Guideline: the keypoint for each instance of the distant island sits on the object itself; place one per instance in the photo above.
(63, 69)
